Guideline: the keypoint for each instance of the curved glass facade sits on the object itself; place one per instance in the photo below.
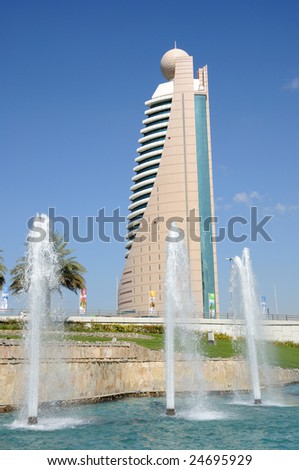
(204, 198)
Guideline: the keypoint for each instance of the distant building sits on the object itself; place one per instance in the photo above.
(172, 183)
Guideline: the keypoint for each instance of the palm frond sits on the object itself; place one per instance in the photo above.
(3, 271)
(70, 270)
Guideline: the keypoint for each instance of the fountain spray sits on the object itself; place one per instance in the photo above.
(179, 314)
(249, 304)
(41, 277)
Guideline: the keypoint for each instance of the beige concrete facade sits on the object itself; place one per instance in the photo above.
(173, 197)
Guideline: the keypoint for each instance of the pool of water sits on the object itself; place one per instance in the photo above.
(214, 422)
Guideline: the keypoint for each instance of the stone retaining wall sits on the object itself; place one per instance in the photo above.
(85, 372)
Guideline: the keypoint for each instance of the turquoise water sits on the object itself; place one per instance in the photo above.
(218, 422)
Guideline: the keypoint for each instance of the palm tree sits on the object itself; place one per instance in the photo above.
(70, 271)
(2, 272)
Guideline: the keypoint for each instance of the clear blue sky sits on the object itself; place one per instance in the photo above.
(73, 81)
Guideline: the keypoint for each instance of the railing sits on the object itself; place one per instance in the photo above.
(267, 316)
(62, 315)
(10, 312)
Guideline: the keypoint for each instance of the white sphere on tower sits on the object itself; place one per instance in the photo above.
(168, 62)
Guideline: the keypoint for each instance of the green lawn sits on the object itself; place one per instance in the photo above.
(221, 348)
(280, 354)
(156, 341)
(283, 356)
(10, 336)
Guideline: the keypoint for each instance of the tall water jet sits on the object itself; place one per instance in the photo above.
(244, 289)
(179, 313)
(171, 302)
(41, 277)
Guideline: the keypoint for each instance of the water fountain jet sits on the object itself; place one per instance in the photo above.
(243, 283)
(181, 342)
(170, 302)
(40, 279)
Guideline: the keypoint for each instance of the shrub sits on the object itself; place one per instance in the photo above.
(287, 344)
(223, 336)
(11, 324)
(217, 336)
(113, 327)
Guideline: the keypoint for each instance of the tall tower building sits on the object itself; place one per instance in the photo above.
(172, 187)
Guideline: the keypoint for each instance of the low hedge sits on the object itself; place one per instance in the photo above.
(113, 327)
